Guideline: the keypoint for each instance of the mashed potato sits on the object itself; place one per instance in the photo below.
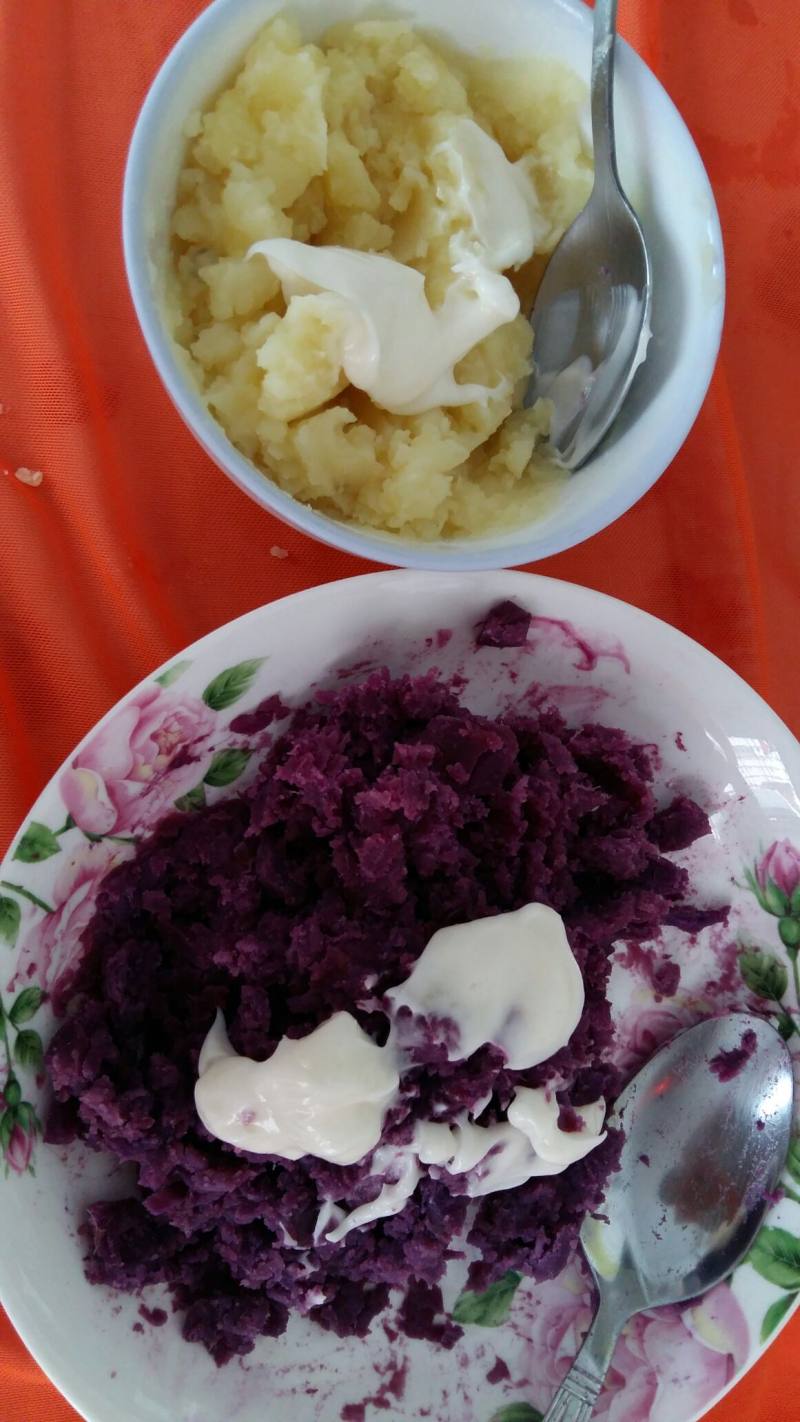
(336, 143)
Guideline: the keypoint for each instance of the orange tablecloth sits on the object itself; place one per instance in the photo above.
(134, 544)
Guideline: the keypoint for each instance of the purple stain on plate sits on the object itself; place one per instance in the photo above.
(662, 974)
(590, 654)
(644, 1159)
(498, 1372)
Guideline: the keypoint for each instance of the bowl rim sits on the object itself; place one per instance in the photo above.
(537, 588)
(490, 552)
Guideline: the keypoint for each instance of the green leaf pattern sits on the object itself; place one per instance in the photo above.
(19, 1123)
(231, 684)
(764, 974)
(775, 1314)
(192, 800)
(226, 766)
(37, 843)
(171, 675)
(490, 1308)
(10, 916)
(28, 1050)
(517, 1412)
(775, 1255)
(6, 1127)
(25, 1006)
(27, 895)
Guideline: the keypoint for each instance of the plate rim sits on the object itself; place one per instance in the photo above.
(532, 586)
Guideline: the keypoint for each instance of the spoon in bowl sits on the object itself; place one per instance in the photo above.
(707, 1127)
(591, 317)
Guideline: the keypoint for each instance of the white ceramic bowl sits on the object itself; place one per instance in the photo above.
(665, 180)
(608, 662)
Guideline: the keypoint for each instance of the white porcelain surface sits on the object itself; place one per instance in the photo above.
(665, 180)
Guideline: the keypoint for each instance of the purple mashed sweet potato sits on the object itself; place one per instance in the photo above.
(727, 1065)
(387, 810)
(505, 625)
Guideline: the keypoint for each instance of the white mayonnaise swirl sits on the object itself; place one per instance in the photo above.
(324, 1095)
(499, 1157)
(394, 345)
(511, 980)
(498, 196)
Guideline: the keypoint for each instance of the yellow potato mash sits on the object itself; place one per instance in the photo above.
(339, 143)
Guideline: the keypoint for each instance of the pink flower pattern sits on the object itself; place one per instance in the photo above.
(52, 947)
(19, 1150)
(134, 768)
(642, 1031)
(666, 1351)
(780, 866)
(694, 1349)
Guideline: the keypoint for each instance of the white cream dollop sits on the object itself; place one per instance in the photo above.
(511, 980)
(497, 1157)
(498, 196)
(324, 1094)
(395, 347)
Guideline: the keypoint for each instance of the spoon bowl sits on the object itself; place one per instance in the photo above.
(591, 317)
(707, 1127)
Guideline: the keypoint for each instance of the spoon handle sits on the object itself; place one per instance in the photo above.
(578, 1393)
(602, 89)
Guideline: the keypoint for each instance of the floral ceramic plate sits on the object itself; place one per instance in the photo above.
(179, 739)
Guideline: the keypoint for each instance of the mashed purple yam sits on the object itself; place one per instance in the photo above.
(387, 810)
(506, 625)
(727, 1065)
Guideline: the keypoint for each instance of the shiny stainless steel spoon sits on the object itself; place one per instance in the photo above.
(700, 1159)
(591, 317)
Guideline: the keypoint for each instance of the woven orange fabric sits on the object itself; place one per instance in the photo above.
(134, 544)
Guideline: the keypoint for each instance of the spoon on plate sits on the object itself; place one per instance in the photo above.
(707, 1127)
(591, 317)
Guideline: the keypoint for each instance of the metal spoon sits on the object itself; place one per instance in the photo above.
(591, 317)
(700, 1160)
